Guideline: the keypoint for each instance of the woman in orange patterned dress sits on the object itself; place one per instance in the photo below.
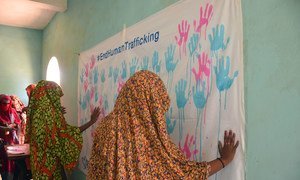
(132, 141)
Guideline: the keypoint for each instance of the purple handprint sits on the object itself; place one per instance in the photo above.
(188, 144)
(183, 36)
(204, 19)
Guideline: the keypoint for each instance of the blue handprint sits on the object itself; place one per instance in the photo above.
(96, 76)
(116, 74)
(193, 44)
(181, 98)
(170, 125)
(199, 96)
(96, 94)
(105, 103)
(145, 62)
(133, 65)
(103, 75)
(223, 81)
(169, 58)
(82, 76)
(217, 39)
(181, 101)
(124, 70)
(110, 72)
(83, 103)
(155, 64)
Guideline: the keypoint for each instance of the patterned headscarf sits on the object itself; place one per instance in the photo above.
(8, 115)
(52, 140)
(132, 141)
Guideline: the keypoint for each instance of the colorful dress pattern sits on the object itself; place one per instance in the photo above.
(52, 141)
(132, 141)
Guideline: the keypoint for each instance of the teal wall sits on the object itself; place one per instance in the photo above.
(272, 87)
(20, 58)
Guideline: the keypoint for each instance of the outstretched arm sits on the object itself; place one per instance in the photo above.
(94, 118)
(227, 152)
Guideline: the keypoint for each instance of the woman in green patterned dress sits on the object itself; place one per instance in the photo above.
(53, 143)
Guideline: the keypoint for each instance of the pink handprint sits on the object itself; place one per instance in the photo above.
(188, 144)
(92, 94)
(86, 72)
(93, 62)
(204, 19)
(120, 84)
(204, 67)
(183, 36)
(85, 85)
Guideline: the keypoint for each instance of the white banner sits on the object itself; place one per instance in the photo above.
(196, 47)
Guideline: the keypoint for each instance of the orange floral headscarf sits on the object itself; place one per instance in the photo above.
(132, 141)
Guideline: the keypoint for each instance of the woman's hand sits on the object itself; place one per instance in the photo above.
(95, 114)
(227, 151)
(94, 117)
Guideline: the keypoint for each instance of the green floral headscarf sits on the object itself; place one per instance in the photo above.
(52, 141)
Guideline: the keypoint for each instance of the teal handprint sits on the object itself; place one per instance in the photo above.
(199, 96)
(133, 65)
(155, 64)
(169, 58)
(103, 75)
(170, 125)
(116, 74)
(181, 98)
(217, 39)
(145, 62)
(193, 44)
(223, 81)
(110, 72)
(96, 75)
(124, 70)
(181, 101)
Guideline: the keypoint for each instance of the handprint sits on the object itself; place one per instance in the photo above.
(217, 39)
(110, 72)
(82, 103)
(96, 94)
(85, 85)
(120, 84)
(188, 144)
(86, 72)
(145, 62)
(96, 75)
(133, 65)
(204, 18)
(223, 81)
(199, 96)
(124, 70)
(155, 64)
(93, 62)
(193, 44)
(169, 58)
(103, 75)
(92, 92)
(170, 125)
(82, 76)
(181, 98)
(116, 74)
(204, 67)
(183, 36)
